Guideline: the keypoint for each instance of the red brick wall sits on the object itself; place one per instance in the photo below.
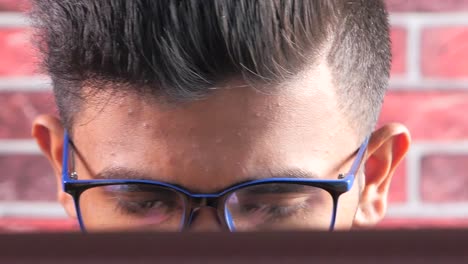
(428, 93)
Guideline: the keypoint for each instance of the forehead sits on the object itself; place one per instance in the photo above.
(234, 134)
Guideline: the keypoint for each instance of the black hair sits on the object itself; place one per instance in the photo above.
(182, 48)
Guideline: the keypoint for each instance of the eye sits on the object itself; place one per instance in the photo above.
(280, 206)
(273, 210)
(144, 203)
(141, 206)
(151, 204)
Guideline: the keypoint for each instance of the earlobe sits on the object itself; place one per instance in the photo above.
(387, 147)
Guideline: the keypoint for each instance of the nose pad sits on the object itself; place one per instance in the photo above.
(204, 219)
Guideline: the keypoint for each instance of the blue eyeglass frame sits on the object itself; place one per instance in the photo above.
(335, 187)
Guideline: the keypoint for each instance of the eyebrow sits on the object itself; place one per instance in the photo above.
(130, 174)
(287, 173)
(125, 174)
(276, 189)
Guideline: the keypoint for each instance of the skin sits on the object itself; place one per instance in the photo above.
(235, 134)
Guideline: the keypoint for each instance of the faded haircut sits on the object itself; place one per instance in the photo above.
(180, 49)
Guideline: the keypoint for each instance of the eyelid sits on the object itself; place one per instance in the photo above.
(158, 192)
(273, 188)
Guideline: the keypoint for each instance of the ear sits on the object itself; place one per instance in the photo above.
(48, 132)
(387, 147)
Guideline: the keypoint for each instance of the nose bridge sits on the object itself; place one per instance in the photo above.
(204, 214)
(203, 201)
(204, 218)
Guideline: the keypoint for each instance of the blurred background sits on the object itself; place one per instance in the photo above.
(428, 93)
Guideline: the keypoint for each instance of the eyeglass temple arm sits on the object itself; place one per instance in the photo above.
(359, 157)
(65, 159)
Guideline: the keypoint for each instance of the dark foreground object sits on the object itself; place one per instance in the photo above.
(387, 246)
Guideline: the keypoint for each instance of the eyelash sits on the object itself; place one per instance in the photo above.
(276, 212)
(139, 208)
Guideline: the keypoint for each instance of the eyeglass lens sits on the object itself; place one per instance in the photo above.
(270, 206)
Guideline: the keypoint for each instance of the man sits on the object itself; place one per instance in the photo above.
(235, 115)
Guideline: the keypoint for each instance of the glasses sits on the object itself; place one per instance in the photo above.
(258, 205)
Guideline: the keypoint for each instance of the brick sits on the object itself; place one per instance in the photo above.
(399, 48)
(427, 5)
(20, 225)
(416, 223)
(429, 115)
(444, 178)
(19, 110)
(26, 178)
(444, 52)
(14, 5)
(17, 52)
(397, 193)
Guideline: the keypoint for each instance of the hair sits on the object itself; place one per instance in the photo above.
(181, 49)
